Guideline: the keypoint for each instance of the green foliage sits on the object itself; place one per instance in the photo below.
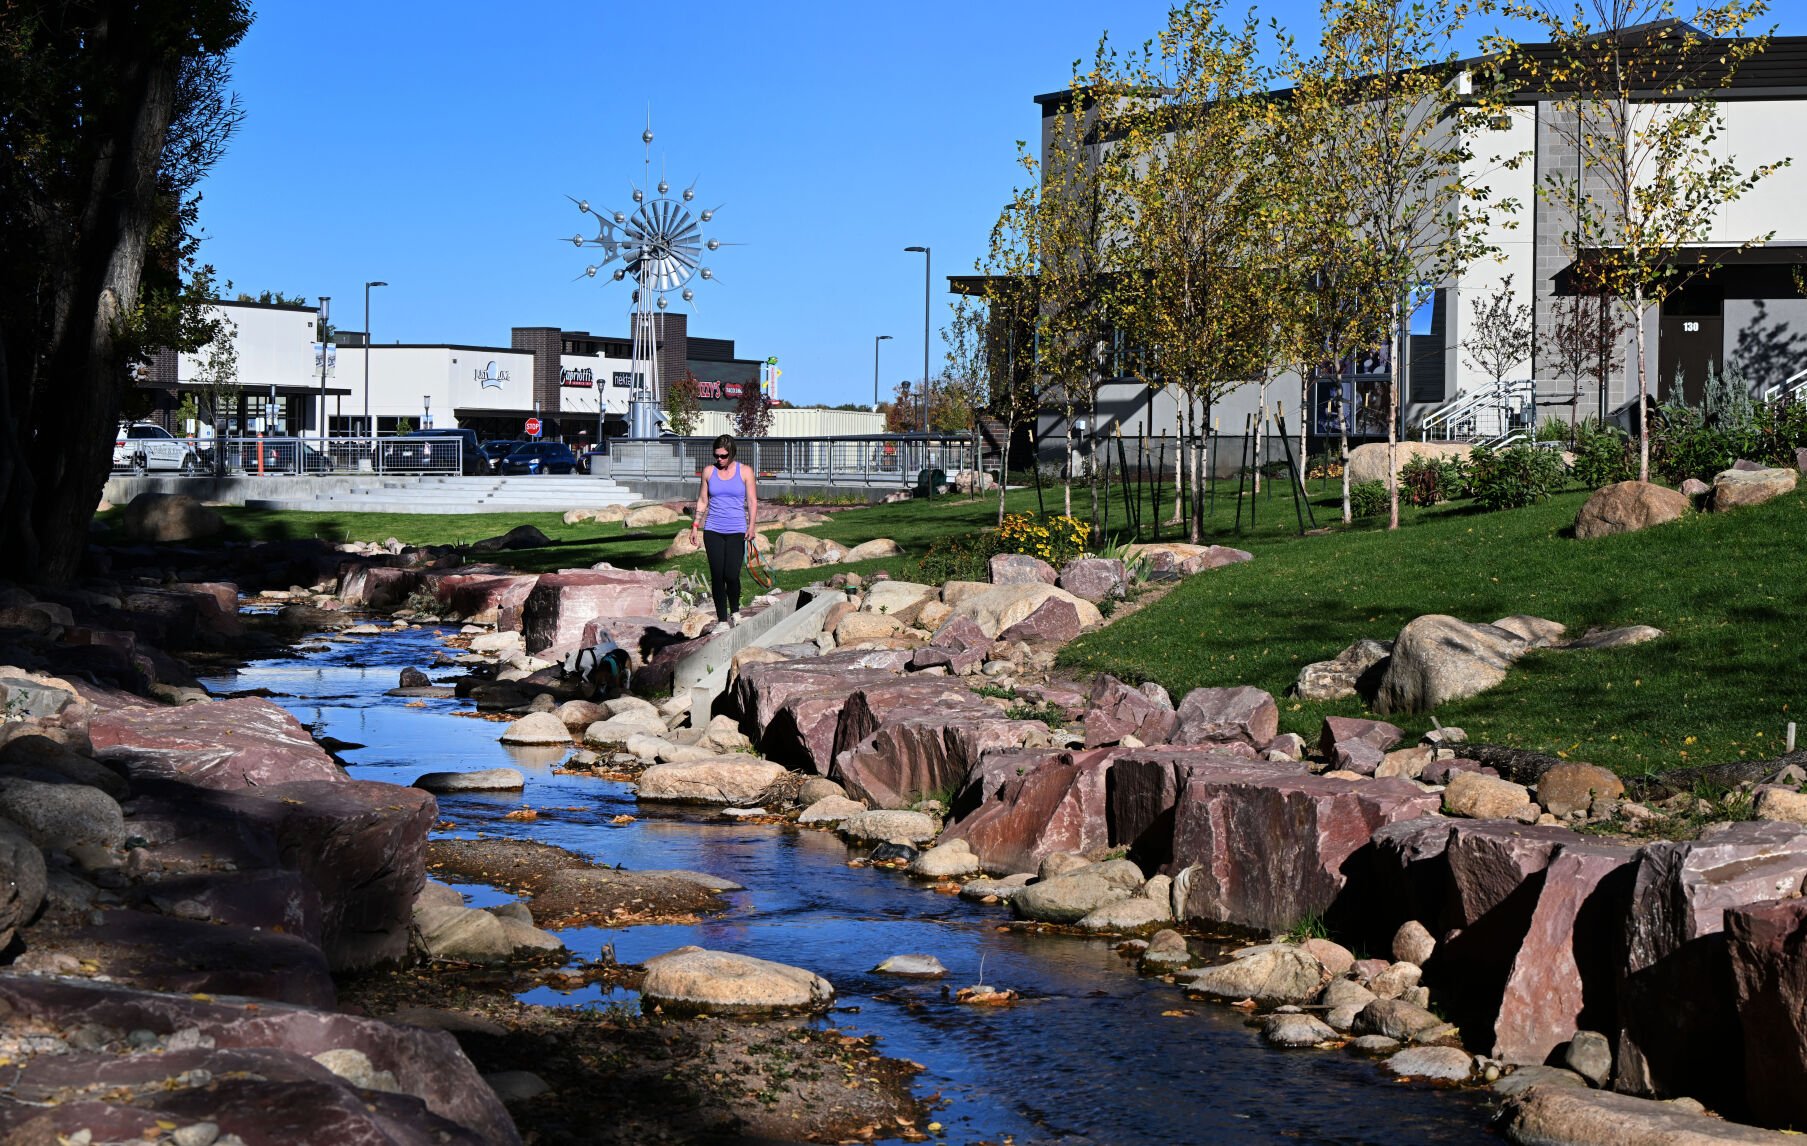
(404, 425)
(1368, 498)
(681, 406)
(1310, 927)
(1000, 692)
(959, 557)
(1603, 455)
(1425, 481)
(1699, 441)
(1514, 477)
(1048, 714)
(1056, 538)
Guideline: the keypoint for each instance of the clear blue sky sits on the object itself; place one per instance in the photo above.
(432, 146)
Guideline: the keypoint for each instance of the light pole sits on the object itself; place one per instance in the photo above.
(325, 310)
(369, 427)
(875, 341)
(426, 411)
(926, 260)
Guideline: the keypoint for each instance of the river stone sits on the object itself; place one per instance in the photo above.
(1005, 889)
(1295, 1030)
(1575, 1116)
(883, 824)
(618, 727)
(1445, 1064)
(1376, 1045)
(481, 780)
(693, 980)
(1412, 943)
(1628, 506)
(23, 880)
(946, 861)
(733, 779)
(1273, 973)
(1138, 913)
(518, 1085)
(537, 728)
(1066, 898)
(1525, 1077)
(1734, 488)
(1589, 1054)
(1438, 658)
(1483, 797)
(58, 815)
(912, 966)
(830, 810)
(818, 788)
(1572, 787)
(1336, 958)
(471, 935)
(1396, 980)
(1396, 1019)
(1060, 863)
(1166, 951)
(1345, 993)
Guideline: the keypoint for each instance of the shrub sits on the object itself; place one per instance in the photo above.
(1368, 498)
(1603, 456)
(1056, 539)
(1426, 481)
(965, 557)
(1514, 477)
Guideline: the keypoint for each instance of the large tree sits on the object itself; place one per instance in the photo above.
(1636, 106)
(110, 113)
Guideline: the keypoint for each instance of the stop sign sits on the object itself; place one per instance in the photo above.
(533, 427)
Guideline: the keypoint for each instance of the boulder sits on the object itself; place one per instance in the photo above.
(167, 517)
(1295, 1030)
(1537, 632)
(60, 815)
(1115, 710)
(1138, 913)
(881, 824)
(954, 592)
(1677, 1008)
(1002, 606)
(1348, 741)
(790, 561)
(23, 880)
(495, 598)
(1767, 945)
(1066, 898)
(1443, 1064)
(1589, 1054)
(733, 779)
(1481, 797)
(1614, 638)
(1350, 673)
(1052, 622)
(1628, 506)
(683, 543)
(1094, 578)
(247, 742)
(1572, 787)
(912, 967)
(577, 715)
(478, 780)
(1439, 658)
(468, 935)
(949, 860)
(644, 516)
(1576, 1116)
(1044, 803)
(830, 810)
(1336, 958)
(619, 728)
(1021, 569)
(537, 728)
(854, 628)
(694, 980)
(1275, 973)
(560, 604)
(1735, 488)
(899, 600)
(1227, 715)
(1368, 462)
(1395, 1019)
(873, 550)
(1412, 943)
(921, 751)
(1178, 559)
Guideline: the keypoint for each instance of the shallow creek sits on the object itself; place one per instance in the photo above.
(1092, 1053)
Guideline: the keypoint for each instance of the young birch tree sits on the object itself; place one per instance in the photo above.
(1640, 113)
(1499, 338)
(1391, 73)
(1193, 224)
(1010, 311)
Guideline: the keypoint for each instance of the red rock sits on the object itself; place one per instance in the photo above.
(1058, 803)
(642, 637)
(377, 586)
(216, 615)
(1271, 846)
(1439, 771)
(1070, 701)
(1561, 978)
(962, 634)
(248, 742)
(163, 953)
(1767, 943)
(1054, 621)
(488, 598)
(919, 753)
(166, 620)
(1410, 876)
(1677, 1005)
(1094, 578)
(762, 689)
(1491, 860)
(1146, 784)
(1021, 569)
(801, 734)
(872, 706)
(562, 603)
(1341, 729)
(1223, 715)
(426, 1064)
(1115, 710)
(273, 899)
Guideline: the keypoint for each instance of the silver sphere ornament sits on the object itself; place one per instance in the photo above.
(619, 217)
(708, 215)
(620, 274)
(577, 240)
(707, 273)
(714, 244)
(664, 187)
(662, 304)
(590, 272)
(584, 206)
(689, 194)
(646, 136)
(689, 295)
(639, 195)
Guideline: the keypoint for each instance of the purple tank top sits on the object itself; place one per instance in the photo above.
(727, 502)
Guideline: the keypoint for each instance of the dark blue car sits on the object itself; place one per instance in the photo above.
(540, 458)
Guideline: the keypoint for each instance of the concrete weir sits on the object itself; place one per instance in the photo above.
(793, 617)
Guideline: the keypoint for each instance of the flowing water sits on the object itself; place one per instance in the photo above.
(1092, 1054)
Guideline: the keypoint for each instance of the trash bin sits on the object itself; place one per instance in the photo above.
(929, 480)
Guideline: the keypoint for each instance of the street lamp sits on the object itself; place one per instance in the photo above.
(875, 341)
(325, 310)
(926, 260)
(369, 427)
(426, 411)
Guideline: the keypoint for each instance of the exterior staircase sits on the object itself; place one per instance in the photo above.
(539, 493)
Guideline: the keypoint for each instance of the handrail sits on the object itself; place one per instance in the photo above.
(1790, 388)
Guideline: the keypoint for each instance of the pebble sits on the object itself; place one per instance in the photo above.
(198, 1134)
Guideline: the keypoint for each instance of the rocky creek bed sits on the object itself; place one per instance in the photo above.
(1091, 1053)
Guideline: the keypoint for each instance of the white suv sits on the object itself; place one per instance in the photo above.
(145, 446)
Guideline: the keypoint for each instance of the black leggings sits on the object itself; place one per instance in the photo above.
(726, 551)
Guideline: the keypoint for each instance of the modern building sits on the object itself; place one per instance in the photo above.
(575, 382)
(1748, 314)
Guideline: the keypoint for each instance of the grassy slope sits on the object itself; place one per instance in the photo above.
(1725, 588)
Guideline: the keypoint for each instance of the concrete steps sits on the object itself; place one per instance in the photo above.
(545, 493)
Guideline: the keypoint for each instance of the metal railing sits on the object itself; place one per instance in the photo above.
(1493, 415)
(1791, 389)
(877, 459)
(350, 456)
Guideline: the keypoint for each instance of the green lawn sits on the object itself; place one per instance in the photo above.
(1726, 588)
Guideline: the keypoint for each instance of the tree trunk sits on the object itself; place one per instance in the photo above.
(1637, 316)
(1260, 433)
(1343, 434)
(1004, 467)
(1393, 402)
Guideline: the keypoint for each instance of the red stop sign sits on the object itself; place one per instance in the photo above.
(533, 427)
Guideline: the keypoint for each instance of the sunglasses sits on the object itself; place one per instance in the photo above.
(721, 457)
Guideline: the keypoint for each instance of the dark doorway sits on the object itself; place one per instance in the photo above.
(1691, 345)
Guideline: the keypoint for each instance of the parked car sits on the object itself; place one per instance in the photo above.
(497, 450)
(540, 458)
(145, 446)
(429, 449)
(586, 460)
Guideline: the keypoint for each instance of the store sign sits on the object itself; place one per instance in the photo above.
(624, 379)
(489, 378)
(577, 379)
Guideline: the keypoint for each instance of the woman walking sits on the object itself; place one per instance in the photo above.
(726, 508)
